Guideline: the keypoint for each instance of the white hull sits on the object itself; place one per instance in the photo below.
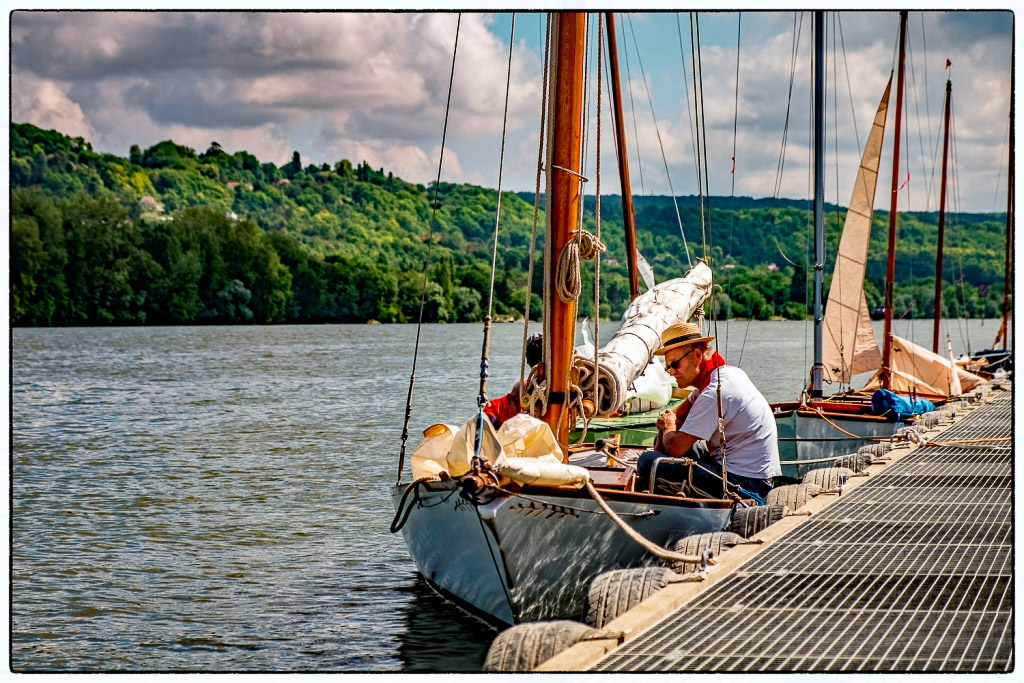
(807, 441)
(519, 559)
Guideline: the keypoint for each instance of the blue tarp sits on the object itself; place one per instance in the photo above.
(884, 400)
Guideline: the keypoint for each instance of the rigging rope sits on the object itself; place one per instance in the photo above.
(732, 189)
(426, 264)
(482, 397)
(849, 88)
(686, 89)
(705, 218)
(597, 233)
(536, 202)
(933, 151)
(661, 146)
(965, 332)
(549, 133)
(632, 113)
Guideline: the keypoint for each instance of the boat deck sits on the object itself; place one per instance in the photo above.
(910, 570)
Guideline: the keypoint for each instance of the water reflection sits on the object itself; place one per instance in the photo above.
(438, 636)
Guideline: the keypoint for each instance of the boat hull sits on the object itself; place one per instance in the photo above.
(808, 441)
(532, 557)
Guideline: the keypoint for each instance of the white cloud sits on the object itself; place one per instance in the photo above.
(353, 85)
(47, 105)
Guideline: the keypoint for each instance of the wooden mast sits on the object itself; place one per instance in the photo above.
(564, 185)
(620, 149)
(890, 263)
(942, 222)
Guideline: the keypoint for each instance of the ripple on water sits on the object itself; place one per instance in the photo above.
(216, 498)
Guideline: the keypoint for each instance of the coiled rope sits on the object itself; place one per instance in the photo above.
(584, 246)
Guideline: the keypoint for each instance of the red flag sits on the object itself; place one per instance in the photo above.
(948, 63)
(733, 165)
(904, 182)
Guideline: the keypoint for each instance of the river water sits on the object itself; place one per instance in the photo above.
(216, 498)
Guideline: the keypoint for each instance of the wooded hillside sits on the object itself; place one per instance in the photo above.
(168, 236)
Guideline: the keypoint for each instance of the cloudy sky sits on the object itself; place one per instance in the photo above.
(372, 86)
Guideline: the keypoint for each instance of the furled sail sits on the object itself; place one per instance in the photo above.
(849, 344)
(625, 357)
(915, 369)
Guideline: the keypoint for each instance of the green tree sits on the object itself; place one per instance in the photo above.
(43, 295)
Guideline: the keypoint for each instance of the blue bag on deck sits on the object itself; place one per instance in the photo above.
(884, 400)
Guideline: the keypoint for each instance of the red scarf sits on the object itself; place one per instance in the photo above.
(705, 371)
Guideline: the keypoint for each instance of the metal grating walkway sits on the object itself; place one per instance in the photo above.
(911, 571)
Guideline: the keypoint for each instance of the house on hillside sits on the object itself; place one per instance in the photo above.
(150, 205)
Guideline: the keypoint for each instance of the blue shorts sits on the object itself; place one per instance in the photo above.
(706, 473)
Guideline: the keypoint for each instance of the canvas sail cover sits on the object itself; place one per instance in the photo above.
(848, 343)
(915, 369)
(625, 357)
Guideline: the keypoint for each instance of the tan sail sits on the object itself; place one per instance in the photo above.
(918, 370)
(849, 344)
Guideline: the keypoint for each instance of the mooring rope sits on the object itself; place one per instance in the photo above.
(652, 548)
(856, 436)
(403, 511)
(959, 442)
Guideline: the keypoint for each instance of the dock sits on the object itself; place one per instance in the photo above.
(910, 569)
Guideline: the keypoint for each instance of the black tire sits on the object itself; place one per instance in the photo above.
(718, 542)
(748, 521)
(793, 496)
(828, 478)
(620, 590)
(524, 647)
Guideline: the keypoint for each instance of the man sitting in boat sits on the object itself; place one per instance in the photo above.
(499, 410)
(751, 439)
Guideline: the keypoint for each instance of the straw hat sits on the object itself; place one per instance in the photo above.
(680, 335)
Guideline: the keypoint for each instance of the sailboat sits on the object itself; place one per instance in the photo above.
(512, 524)
(817, 429)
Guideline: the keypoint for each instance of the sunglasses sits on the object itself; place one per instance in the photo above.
(675, 364)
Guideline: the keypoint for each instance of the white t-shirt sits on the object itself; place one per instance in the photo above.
(751, 437)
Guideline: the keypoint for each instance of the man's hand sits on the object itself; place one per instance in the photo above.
(666, 421)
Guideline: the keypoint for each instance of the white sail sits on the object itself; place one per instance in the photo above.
(849, 344)
(625, 357)
(645, 270)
